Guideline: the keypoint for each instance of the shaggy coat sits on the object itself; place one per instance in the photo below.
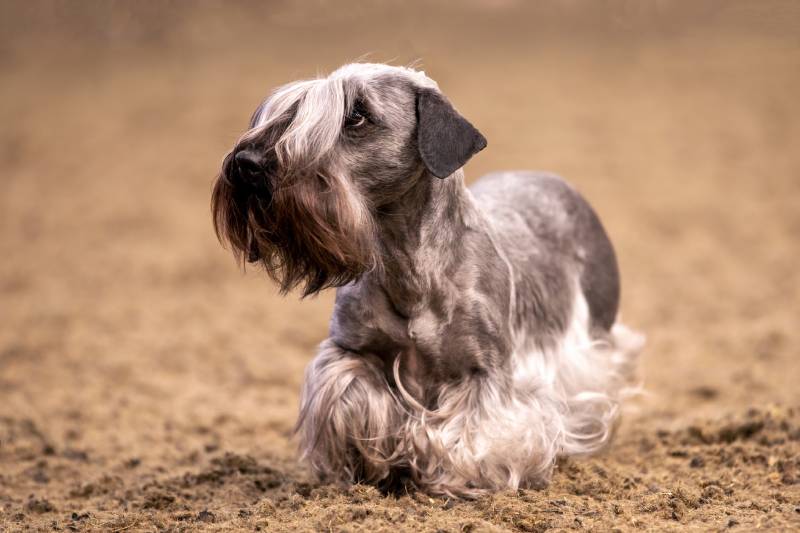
(474, 337)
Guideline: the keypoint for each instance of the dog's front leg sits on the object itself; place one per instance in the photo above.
(349, 418)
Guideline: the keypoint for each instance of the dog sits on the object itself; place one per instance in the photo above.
(474, 338)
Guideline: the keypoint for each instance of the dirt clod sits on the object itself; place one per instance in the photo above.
(157, 499)
(39, 505)
(697, 462)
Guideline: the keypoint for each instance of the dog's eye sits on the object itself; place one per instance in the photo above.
(357, 116)
(354, 119)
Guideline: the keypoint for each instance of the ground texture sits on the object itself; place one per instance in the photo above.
(147, 384)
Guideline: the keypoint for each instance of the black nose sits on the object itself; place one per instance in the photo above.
(249, 161)
(247, 169)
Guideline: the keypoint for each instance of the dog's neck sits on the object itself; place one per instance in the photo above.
(423, 236)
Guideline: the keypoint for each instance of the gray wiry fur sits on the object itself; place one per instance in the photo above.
(480, 340)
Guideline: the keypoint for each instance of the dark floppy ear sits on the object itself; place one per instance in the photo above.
(446, 139)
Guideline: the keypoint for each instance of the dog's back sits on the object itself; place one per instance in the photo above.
(552, 237)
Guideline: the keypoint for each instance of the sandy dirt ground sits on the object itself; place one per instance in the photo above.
(147, 384)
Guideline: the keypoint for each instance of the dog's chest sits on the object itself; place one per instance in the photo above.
(446, 343)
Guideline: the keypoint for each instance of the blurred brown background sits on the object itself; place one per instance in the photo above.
(146, 384)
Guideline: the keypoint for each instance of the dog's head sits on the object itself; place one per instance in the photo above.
(298, 190)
